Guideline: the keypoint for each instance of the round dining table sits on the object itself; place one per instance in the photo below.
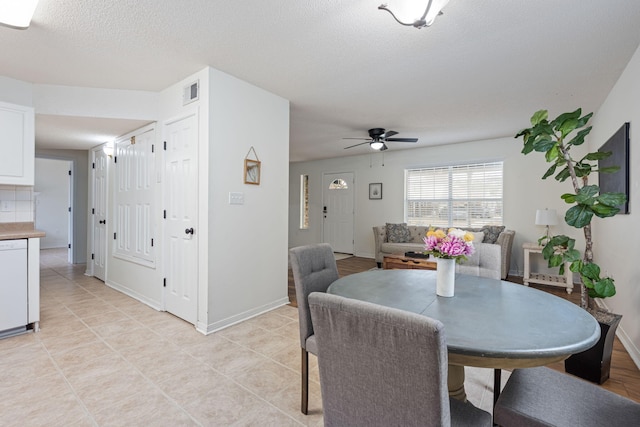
(488, 323)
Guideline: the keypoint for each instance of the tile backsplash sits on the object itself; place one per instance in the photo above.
(16, 203)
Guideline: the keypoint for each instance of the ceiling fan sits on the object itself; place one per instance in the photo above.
(378, 137)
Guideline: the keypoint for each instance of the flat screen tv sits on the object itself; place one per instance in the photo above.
(617, 182)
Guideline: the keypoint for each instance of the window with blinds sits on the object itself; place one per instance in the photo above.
(455, 196)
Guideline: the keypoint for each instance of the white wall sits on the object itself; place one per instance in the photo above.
(16, 91)
(616, 243)
(93, 102)
(52, 202)
(243, 259)
(524, 191)
(247, 243)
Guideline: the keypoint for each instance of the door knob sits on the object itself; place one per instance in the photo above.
(104, 221)
(189, 231)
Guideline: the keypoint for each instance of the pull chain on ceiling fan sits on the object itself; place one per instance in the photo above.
(378, 138)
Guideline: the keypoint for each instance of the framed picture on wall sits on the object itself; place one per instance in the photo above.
(251, 171)
(375, 191)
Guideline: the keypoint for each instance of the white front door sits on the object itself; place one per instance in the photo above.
(181, 224)
(99, 210)
(338, 212)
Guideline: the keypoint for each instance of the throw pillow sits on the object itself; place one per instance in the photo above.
(398, 233)
(478, 236)
(491, 233)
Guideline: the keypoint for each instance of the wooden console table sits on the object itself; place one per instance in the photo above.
(401, 262)
(565, 281)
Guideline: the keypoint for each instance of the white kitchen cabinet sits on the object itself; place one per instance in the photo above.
(17, 144)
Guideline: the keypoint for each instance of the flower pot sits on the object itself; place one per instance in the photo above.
(595, 364)
(445, 280)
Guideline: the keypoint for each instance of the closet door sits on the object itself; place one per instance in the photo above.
(99, 210)
(181, 225)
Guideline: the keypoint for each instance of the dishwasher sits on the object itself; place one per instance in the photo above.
(13, 287)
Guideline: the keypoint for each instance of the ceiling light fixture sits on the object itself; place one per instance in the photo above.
(409, 11)
(376, 145)
(17, 13)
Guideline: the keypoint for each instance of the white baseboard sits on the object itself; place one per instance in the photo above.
(232, 320)
(128, 292)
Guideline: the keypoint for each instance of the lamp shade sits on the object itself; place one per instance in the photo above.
(546, 217)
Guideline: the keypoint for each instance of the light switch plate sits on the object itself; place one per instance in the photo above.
(236, 198)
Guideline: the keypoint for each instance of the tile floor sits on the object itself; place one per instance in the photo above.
(102, 358)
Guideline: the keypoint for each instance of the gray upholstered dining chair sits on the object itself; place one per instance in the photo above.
(314, 269)
(544, 397)
(381, 366)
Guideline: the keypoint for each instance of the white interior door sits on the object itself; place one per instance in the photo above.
(181, 225)
(99, 210)
(338, 212)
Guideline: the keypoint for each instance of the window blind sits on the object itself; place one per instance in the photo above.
(455, 196)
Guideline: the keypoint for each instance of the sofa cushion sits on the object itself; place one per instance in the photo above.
(398, 233)
(491, 233)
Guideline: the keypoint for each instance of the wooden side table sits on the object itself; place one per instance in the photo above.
(565, 281)
(401, 262)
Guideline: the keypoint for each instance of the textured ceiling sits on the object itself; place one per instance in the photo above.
(479, 72)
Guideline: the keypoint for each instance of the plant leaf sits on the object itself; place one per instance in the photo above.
(591, 270)
(568, 126)
(550, 171)
(555, 260)
(612, 199)
(544, 144)
(579, 138)
(559, 121)
(583, 120)
(578, 216)
(588, 191)
(582, 169)
(563, 175)
(597, 155)
(539, 116)
(609, 169)
(604, 288)
(604, 211)
(552, 154)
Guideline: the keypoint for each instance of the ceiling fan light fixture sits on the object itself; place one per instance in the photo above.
(410, 14)
(17, 13)
(377, 145)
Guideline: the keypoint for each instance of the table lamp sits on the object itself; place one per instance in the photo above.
(546, 217)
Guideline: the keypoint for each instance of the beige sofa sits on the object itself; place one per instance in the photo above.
(482, 261)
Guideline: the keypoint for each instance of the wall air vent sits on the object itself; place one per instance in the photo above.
(191, 92)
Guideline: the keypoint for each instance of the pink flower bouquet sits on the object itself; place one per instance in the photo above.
(455, 244)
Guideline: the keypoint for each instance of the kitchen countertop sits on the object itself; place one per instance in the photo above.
(19, 230)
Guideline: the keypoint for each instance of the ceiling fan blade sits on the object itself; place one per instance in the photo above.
(363, 139)
(351, 146)
(402, 139)
(390, 133)
(384, 147)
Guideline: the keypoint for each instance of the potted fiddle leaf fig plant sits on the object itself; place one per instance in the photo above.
(555, 138)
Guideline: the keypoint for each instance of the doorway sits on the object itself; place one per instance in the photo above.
(52, 208)
(338, 215)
